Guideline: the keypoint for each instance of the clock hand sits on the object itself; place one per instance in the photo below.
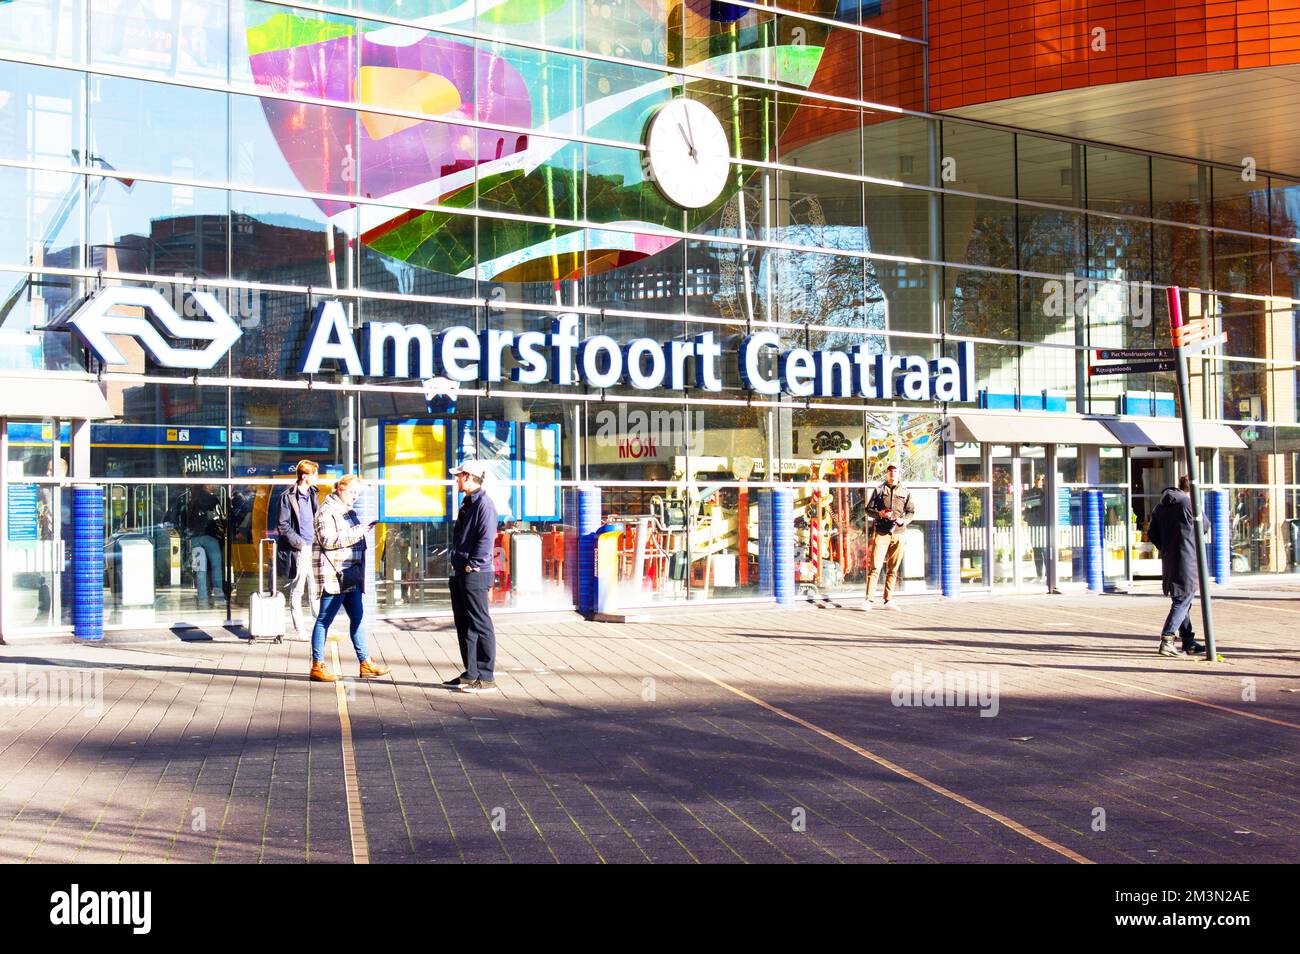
(689, 144)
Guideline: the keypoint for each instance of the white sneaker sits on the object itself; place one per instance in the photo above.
(889, 605)
(867, 606)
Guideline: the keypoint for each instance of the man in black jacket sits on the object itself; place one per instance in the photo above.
(296, 524)
(472, 570)
(1171, 530)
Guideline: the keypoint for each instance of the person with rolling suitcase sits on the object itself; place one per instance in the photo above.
(296, 526)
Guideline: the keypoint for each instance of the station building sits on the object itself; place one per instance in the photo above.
(680, 252)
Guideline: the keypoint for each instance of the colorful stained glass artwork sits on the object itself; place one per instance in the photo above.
(431, 157)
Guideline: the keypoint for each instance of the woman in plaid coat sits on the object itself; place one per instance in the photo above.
(338, 559)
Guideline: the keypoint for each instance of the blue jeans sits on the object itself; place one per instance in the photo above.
(212, 571)
(352, 602)
(1179, 619)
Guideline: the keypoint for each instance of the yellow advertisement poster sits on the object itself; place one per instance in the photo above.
(541, 469)
(414, 451)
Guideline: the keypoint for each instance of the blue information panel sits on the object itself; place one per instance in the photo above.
(23, 525)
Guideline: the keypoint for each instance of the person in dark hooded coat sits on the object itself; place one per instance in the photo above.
(1171, 531)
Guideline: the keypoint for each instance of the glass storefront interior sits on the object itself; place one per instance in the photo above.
(443, 165)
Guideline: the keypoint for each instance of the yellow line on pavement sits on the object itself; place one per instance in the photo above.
(885, 763)
(1111, 621)
(1195, 702)
(356, 818)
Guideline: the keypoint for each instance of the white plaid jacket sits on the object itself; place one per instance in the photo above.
(340, 532)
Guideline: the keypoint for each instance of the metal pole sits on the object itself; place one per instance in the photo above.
(1174, 295)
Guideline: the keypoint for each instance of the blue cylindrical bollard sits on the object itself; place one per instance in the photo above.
(587, 535)
(88, 562)
(776, 542)
(950, 541)
(783, 544)
(1220, 535)
(1094, 557)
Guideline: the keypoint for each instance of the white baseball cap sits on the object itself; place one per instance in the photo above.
(476, 468)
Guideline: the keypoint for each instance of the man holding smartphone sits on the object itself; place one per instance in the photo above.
(889, 511)
(471, 575)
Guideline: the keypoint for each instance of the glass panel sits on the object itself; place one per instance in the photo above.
(1112, 466)
(1004, 517)
(166, 556)
(1118, 182)
(978, 159)
(45, 29)
(40, 112)
(1239, 204)
(1050, 171)
(892, 71)
(1180, 191)
(179, 38)
(1284, 208)
(1068, 536)
(970, 462)
(897, 147)
(1035, 508)
(158, 229)
(974, 536)
(158, 129)
(980, 232)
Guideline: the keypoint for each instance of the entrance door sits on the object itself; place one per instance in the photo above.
(1004, 471)
(37, 532)
(1021, 551)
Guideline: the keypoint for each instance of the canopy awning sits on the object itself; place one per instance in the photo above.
(1031, 429)
(39, 398)
(1169, 433)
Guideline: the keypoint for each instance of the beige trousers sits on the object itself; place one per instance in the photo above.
(886, 550)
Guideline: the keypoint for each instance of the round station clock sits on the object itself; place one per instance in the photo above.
(687, 154)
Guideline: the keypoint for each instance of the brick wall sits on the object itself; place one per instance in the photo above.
(983, 50)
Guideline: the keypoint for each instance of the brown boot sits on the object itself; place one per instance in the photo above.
(370, 669)
(320, 674)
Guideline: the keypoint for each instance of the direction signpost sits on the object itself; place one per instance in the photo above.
(1134, 354)
(1131, 367)
(1183, 335)
(1187, 338)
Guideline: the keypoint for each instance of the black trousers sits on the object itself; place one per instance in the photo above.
(474, 631)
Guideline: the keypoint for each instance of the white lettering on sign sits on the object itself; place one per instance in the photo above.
(461, 355)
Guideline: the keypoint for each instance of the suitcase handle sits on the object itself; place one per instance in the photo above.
(264, 542)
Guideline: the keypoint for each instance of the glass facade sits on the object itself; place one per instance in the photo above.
(448, 165)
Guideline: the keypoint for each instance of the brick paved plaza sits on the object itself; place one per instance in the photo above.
(718, 735)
